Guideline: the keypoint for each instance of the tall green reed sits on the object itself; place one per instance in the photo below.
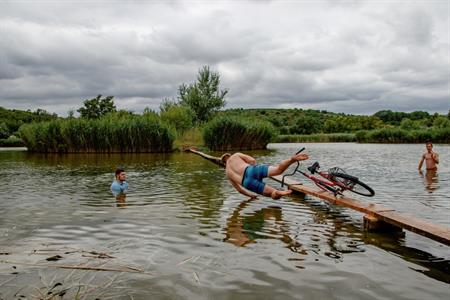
(231, 133)
(112, 133)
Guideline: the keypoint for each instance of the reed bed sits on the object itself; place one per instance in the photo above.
(110, 134)
(230, 133)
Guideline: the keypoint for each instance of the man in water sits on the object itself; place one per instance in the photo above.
(245, 175)
(430, 157)
(119, 185)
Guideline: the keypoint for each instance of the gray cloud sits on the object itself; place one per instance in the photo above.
(353, 57)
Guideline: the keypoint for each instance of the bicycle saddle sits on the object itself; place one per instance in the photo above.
(314, 167)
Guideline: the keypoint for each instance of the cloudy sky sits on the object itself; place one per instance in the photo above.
(343, 56)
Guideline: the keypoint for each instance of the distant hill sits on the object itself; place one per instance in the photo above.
(12, 119)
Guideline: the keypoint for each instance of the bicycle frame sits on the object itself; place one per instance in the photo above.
(325, 183)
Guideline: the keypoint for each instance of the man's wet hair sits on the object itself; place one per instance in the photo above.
(225, 157)
(429, 143)
(118, 171)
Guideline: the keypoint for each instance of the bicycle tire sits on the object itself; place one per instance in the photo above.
(353, 184)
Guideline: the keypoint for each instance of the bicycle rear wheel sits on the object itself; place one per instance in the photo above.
(353, 184)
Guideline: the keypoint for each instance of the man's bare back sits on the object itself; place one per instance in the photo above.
(236, 165)
(245, 181)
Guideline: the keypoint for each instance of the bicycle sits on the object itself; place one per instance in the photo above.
(334, 180)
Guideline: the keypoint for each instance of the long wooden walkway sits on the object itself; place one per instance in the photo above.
(376, 212)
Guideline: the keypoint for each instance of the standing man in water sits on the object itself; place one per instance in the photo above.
(430, 157)
(119, 185)
(245, 175)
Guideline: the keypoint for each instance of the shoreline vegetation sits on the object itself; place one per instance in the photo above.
(173, 129)
(197, 118)
(228, 130)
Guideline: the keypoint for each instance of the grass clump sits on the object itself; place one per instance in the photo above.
(231, 133)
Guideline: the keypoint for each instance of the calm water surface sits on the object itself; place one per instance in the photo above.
(195, 237)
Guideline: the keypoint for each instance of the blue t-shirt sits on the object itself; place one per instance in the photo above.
(118, 187)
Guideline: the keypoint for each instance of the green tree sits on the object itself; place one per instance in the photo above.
(408, 124)
(4, 131)
(306, 125)
(97, 107)
(441, 122)
(167, 104)
(204, 97)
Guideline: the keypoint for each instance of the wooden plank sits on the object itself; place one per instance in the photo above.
(367, 208)
(213, 159)
(436, 232)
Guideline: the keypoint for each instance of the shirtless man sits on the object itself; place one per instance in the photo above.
(430, 157)
(245, 175)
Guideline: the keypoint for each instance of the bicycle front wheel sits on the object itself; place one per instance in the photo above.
(353, 184)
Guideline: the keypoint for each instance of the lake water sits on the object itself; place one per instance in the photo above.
(194, 237)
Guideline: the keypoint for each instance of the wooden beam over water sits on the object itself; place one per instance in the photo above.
(436, 232)
(211, 158)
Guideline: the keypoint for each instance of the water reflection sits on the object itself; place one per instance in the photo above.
(121, 200)
(264, 223)
(345, 236)
(430, 180)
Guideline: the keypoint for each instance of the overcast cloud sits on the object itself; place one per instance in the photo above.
(342, 56)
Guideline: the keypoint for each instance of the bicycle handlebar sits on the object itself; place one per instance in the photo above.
(300, 150)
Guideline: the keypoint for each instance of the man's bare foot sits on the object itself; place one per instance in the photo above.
(300, 156)
(277, 194)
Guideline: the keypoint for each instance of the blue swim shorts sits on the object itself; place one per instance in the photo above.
(252, 179)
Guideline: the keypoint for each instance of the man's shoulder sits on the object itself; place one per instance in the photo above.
(115, 184)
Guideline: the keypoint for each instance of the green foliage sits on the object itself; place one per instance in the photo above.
(230, 133)
(111, 133)
(306, 125)
(167, 104)
(347, 123)
(97, 107)
(204, 97)
(395, 118)
(408, 124)
(441, 122)
(180, 117)
(4, 131)
(11, 141)
(399, 135)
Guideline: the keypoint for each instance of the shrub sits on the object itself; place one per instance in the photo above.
(180, 117)
(230, 133)
(11, 141)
